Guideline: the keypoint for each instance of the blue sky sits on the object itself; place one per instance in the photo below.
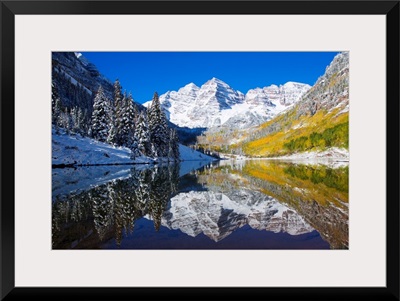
(143, 73)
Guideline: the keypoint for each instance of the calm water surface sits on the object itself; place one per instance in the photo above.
(254, 204)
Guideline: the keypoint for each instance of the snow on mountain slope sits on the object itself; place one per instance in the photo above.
(67, 149)
(215, 103)
(217, 214)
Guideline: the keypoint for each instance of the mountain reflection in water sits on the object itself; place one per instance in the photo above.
(255, 204)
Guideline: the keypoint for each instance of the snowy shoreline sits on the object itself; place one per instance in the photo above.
(73, 151)
(333, 157)
(332, 153)
(79, 163)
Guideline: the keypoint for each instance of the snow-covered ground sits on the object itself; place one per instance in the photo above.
(333, 157)
(188, 154)
(67, 149)
(331, 153)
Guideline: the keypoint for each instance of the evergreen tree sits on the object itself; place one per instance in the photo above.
(142, 134)
(113, 135)
(135, 152)
(81, 121)
(111, 129)
(77, 119)
(56, 114)
(117, 93)
(54, 98)
(159, 132)
(56, 107)
(174, 146)
(74, 120)
(101, 116)
(126, 126)
(65, 120)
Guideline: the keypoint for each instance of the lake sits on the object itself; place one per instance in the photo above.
(248, 204)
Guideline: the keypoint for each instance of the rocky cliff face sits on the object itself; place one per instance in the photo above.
(215, 104)
(77, 80)
(331, 90)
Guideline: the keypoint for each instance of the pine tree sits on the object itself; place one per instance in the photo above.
(56, 114)
(75, 120)
(117, 93)
(135, 152)
(126, 124)
(81, 122)
(174, 146)
(112, 130)
(56, 107)
(143, 135)
(65, 121)
(159, 132)
(54, 99)
(113, 135)
(101, 116)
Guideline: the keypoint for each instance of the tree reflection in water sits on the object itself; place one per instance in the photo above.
(215, 201)
(112, 208)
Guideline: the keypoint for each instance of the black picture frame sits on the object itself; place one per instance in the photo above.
(11, 8)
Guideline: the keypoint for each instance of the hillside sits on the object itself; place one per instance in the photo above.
(78, 150)
(319, 121)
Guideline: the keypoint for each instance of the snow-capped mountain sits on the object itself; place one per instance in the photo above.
(215, 103)
(217, 214)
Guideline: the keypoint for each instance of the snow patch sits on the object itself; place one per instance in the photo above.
(78, 150)
(333, 157)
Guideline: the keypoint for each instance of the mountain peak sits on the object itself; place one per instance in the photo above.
(191, 86)
(216, 81)
(295, 86)
(215, 103)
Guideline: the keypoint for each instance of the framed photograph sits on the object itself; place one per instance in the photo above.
(171, 149)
